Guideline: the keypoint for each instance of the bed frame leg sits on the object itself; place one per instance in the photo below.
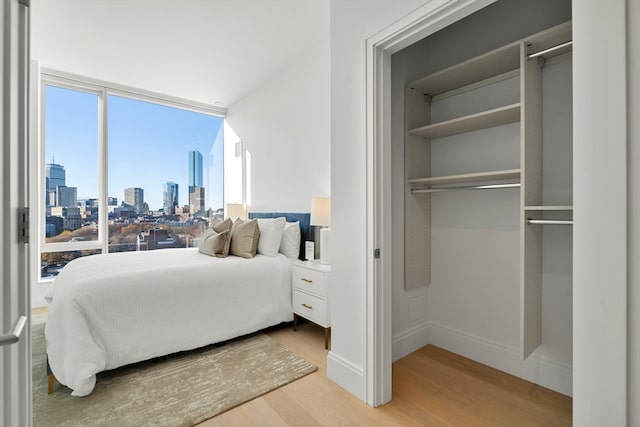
(50, 380)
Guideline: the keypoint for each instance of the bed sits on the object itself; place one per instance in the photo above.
(108, 311)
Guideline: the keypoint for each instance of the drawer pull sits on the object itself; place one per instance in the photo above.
(306, 280)
(307, 306)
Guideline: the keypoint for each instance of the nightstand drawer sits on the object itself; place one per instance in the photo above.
(310, 307)
(309, 280)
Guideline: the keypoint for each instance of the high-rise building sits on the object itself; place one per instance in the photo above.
(54, 177)
(195, 169)
(170, 197)
(67, 197)
(134, 196)
(196, 200)
(196, 191)
(72, 217)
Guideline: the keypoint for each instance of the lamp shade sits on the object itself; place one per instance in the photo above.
(321, 211)
(236, 211)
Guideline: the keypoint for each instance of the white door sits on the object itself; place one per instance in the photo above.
(15, 333)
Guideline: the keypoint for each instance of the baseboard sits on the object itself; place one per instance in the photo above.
(347, 375)
(538, 369)
(38, 302)
(410, 340)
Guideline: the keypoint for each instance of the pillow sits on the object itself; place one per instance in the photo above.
(244, 238)
(290, 244)
(271, 230)
(215, 244)
(220, 226)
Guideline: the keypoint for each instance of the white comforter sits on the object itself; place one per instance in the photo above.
(111, 310)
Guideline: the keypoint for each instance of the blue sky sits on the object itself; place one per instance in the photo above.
(148, 145)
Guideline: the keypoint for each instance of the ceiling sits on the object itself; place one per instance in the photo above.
(210, 51)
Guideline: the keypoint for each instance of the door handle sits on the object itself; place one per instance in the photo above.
(14, 336)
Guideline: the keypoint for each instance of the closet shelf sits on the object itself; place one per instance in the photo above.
(554, 37)
(468, 178)
(498, 61)
(549, 208)
(483, 120)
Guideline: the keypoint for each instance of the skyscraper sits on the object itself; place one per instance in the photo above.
(170, 197)
(195, 169)
(55, 176)
(134, 196)
(196, 200)
(196, 191)
(66, 196)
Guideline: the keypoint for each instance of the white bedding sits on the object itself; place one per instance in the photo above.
(110, 310)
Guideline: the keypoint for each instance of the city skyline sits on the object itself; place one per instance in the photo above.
(148, 145)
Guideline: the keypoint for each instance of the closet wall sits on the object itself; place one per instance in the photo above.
(470, 300)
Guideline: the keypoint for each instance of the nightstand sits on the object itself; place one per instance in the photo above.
(310, 290)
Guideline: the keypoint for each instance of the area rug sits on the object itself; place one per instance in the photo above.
(178, 390)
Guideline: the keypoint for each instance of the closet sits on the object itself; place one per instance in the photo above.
(513, 74)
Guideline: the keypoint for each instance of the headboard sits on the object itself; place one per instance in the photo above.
(304, 218)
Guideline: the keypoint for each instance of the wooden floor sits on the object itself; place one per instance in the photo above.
(431, 387)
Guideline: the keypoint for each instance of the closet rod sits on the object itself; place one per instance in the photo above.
(469, 187)
(551, 49)
(550, 221)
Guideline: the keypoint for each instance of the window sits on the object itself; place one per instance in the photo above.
(124, 172)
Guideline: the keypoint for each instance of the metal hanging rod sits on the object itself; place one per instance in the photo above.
(463, 188)
(551, 49)
(550, 221)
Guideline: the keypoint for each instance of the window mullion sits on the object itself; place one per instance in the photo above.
(103, 158)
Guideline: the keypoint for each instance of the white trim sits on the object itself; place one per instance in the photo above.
(410, 340)
(535, 368)
(37, 302)
(352, 377)
(15, 361)
(601, 298)
(429, 18)
(70, 79)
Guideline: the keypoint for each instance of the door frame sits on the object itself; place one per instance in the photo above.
(15, 301)
(424, 21)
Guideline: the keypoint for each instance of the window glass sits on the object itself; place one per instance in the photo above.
(165, 174)
(71, 165)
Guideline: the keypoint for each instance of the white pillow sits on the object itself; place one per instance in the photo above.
(290, 244)
(271, 230)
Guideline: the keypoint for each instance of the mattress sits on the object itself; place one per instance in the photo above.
(111, 310)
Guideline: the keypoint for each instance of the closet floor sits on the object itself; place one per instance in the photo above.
(436, 387)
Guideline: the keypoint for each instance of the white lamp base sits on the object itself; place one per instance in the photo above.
(325, 246)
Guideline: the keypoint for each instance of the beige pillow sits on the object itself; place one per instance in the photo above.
(215, 244)
(219, 225)
(244, 238)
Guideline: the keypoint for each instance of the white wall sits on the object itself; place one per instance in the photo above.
(285, 126)
(633, 296)
(351, 23)
(605, 294)
(472, 304)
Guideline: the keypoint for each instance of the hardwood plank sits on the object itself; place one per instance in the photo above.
(431, 387)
